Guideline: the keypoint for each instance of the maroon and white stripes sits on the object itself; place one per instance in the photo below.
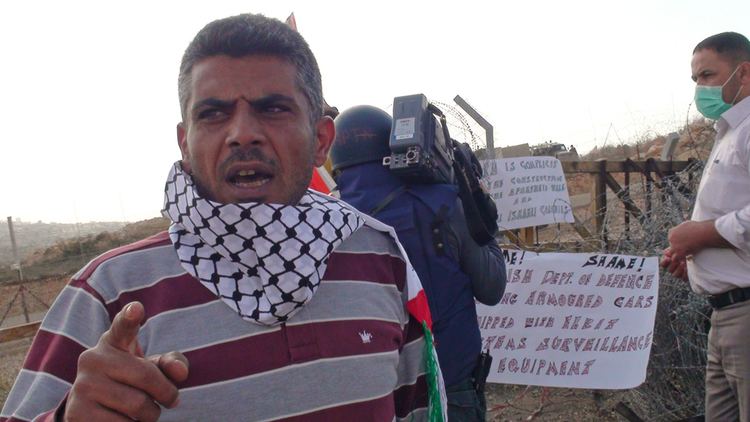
(351, 352)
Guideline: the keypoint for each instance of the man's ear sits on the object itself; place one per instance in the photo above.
(325, 134)
(183, 144)
(744, 73)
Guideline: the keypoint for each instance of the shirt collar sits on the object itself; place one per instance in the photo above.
(735, 115)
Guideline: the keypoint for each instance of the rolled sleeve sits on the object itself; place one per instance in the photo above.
(735, 228)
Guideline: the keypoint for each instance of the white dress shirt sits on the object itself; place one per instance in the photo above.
(724, 195)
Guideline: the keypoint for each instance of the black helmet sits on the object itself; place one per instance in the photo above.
(362, 135)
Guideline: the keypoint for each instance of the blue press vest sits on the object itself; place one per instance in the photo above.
(448, 289)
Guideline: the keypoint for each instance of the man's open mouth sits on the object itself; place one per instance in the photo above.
(249, 178)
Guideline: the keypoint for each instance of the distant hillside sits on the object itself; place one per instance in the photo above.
(695, 142)
(33, 236)
(67, 255)
(53, 249)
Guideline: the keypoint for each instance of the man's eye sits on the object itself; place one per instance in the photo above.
(210, 114)
(275, 108)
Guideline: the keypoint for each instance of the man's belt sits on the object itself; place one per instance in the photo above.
(731, 297)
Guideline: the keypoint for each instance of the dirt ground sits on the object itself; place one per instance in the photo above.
(11, 359)
(14, 298)
(511, 403)
(33, 296)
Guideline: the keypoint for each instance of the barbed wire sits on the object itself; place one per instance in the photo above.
(674, 387)
(461, 126)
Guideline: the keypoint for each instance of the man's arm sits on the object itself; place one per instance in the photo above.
(731, 230)
(484, 265)
(734, 228)
(73, 324)
(687, 239)
(411, 398)
(691, 237)
(419, 389)
(679, 267)
(85, 368)
(115, 381)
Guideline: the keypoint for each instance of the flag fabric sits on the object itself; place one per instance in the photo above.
(322, 181)
(291, 21)
(418, 307)
(417, 304)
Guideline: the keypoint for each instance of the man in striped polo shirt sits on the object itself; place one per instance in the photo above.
(264, 300)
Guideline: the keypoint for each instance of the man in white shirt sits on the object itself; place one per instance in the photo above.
(713, 248)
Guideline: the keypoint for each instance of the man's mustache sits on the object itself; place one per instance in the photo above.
(244, 155)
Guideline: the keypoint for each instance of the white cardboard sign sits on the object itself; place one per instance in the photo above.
(528, 191)
(572, 320)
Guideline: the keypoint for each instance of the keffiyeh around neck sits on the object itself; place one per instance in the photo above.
(263, 260)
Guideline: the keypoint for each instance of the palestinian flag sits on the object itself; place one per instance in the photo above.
(322, 181)
(417, 303)
(418, 308)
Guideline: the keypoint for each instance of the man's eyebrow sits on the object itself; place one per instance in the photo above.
(701, 72)
(212, 102)
(269, 99)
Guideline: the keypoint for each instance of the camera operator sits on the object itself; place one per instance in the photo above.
(430, 223)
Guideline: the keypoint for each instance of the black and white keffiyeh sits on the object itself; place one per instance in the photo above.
(263, 260)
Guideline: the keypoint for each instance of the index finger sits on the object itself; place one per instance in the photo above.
(674, 265)
(173, 364)
(123, 333)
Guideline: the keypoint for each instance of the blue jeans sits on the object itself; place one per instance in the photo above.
(465, 403)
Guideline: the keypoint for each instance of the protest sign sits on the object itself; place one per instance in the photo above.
(572, 320)
(528, 191)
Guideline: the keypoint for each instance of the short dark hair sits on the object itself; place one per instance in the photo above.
(731, 45)
(247, 35)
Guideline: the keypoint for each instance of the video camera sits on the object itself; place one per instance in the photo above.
(423, 152)
(421, 147)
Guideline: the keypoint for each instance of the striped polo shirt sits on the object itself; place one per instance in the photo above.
(352, 353)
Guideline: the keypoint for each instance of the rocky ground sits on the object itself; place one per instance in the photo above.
(11, 358)
(529, 403)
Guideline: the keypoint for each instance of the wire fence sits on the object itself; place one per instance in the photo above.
(66, 256)
(674, 387)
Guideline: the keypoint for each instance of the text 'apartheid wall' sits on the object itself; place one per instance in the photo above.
(528, 191)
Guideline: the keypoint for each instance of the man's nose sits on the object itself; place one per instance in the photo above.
(244, 129)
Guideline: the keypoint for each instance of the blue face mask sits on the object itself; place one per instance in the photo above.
(710, 100)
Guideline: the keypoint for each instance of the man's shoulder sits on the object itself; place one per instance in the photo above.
(739, 118)
(370, 255)
(369, 240)
(154, 254)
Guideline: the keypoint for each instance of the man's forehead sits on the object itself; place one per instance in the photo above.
(250, 76)
(703, 60)
(709, 58)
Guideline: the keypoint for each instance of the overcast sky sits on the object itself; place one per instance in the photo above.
(89, 101)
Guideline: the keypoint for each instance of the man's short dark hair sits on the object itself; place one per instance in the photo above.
(248, 35)
(730, 45)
